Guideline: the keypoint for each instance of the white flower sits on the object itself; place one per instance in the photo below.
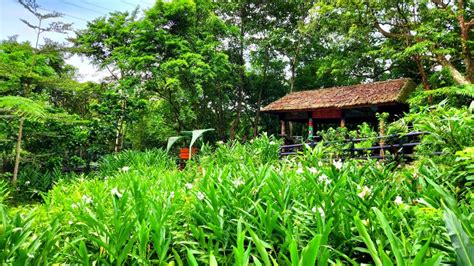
(238, 182)
(318, 209)
(321, 212)
(116, 192)
(70, 222)
(337, 164)
(366, 191)
(171, 194)
(320, 164)
(272, 142)
(312, 170)
(398, 200)
(86, 199)
(300, 171)
(365, 222)
(189, 186)
(323, 178)
(27, 183)
(125, 169)
(200, 195)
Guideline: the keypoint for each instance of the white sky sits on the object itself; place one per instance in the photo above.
(75, 11)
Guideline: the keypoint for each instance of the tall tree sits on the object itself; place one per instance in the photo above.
(429, 33)
(107, 41)
(59, 27)
(237, 15)
(172, 54)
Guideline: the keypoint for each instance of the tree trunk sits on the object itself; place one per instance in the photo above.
(259, 100)
(117, 138)
(292, 80)
(424, 76)
(466, 52)
(236, 122)
(119, 135)
(22, 120)
(257, 115)
(18, 150)
(457, 76)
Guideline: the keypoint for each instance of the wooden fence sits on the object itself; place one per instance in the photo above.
(398, 145)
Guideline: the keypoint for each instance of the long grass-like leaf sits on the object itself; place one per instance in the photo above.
(191, 259)
(462, 245)
(260, 245)
(368, 241)
(310, 252)
(394, 241)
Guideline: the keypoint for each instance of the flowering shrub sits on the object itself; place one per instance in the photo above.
(241, 205)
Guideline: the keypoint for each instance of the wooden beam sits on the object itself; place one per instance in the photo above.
(343, 118)
(282, 128)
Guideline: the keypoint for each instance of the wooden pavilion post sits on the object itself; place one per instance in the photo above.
(343, 118)
(282, 127)
(310, 127)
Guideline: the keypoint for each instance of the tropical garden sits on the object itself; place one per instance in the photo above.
(87, 175)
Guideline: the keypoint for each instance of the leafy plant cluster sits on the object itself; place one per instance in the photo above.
(241, 205)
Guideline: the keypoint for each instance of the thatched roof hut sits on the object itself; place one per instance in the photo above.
(370, 94)
(354, 104)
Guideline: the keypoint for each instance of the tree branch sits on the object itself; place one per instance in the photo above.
(439, 3)
(470, 23)
(389, 34)
(112, 73)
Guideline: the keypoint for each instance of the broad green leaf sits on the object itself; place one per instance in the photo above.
(171, 141)
(196, 134)
(462, 245)
(212, 260)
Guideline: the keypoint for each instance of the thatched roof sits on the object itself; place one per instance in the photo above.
(377, 93)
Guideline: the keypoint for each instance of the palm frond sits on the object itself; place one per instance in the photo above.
(23, 107)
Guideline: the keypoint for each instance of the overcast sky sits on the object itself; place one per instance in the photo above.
(74, 11)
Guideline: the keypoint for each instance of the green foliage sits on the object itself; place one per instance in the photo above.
(450, 129)
(22, 107)
(456, 96)
(242, 205)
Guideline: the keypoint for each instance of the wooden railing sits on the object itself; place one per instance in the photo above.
(400, 145)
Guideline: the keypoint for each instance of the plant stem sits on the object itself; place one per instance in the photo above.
(18, 150)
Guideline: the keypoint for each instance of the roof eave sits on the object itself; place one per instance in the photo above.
(395, 102)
